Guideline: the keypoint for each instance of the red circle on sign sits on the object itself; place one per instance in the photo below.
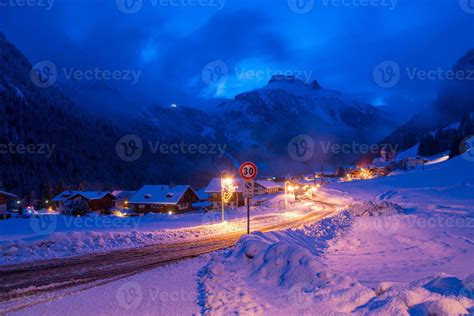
(248, 170)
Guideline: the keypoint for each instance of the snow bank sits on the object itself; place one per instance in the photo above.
(374, 208)
(283, 273)
(269, 272)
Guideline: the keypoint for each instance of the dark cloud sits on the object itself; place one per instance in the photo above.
(339, 44)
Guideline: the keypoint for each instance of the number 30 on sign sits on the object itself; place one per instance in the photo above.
(248, 170)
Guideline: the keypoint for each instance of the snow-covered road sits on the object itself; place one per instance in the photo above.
(38, 279)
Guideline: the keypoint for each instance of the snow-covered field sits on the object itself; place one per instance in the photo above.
(404, 247)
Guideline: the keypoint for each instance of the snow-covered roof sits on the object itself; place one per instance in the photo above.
(202, 194)
(64, 196)
(91, 195)
(202, 204)
(215, 185)
(160, 194)
(10, 195)
(268, 184)
(123, 195)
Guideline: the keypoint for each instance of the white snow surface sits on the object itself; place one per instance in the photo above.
(405, 246)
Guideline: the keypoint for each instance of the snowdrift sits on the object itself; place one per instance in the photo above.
(273, 273)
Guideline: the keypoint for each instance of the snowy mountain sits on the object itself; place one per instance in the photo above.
(260, 124)
(49, 143)
(455, 101)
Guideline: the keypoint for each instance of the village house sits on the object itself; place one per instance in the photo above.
(122, 198)
(214, 190)
(4, 198)
(163, 199)
(267, 187)
(60, 201)
(96, 200)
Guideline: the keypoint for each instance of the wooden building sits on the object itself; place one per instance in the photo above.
(96, 200)
(122, 198)
(5, 197)
(163, 199)
(60, 201)
(267, 187)
(214, 190)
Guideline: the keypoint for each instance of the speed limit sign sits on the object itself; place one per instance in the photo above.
(248, 170)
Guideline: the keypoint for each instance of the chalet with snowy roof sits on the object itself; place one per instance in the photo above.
(214, 190)
(122, 198)
(163, 199)
(96, 200)
(267, 187)
(60, 200)
(4, 198)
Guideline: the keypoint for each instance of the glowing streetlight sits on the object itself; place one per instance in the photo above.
(288, 188)
(227, 189)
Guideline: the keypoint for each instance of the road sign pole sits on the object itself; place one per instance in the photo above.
(248, 171)
(248, 216)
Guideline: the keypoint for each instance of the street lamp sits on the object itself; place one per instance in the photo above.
(288, 188)
(227, 188)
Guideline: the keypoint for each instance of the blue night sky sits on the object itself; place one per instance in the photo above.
(338, 45)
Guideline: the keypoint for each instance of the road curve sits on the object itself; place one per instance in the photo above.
(29, 279)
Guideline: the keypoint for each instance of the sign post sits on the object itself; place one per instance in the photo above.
(248, 171)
